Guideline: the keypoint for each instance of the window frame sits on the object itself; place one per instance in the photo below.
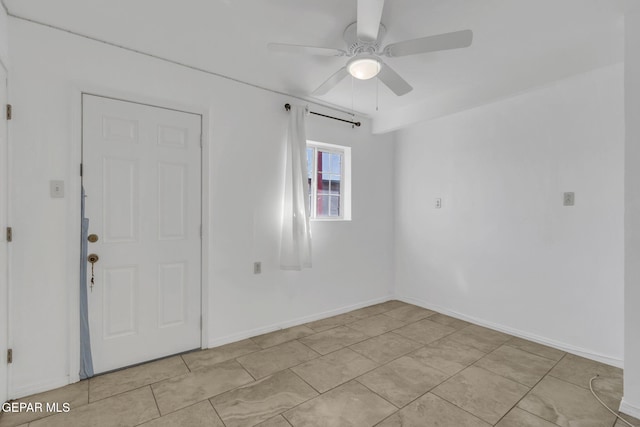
(345, 180)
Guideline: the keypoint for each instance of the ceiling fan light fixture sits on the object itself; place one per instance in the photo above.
(364, 67)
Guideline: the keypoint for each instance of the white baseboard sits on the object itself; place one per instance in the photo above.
(521, 334)
(216, 342)
(29, 389)
(629, 409)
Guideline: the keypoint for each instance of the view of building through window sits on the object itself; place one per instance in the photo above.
(325, 168)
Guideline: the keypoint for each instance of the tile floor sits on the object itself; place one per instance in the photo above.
(391, 364)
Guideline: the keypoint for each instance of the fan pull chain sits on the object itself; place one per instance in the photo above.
(352, 96)
(377, 86)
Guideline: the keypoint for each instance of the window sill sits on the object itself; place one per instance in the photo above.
(330, 219)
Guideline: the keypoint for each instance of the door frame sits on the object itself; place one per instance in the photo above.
(74, 195)
(8, 187)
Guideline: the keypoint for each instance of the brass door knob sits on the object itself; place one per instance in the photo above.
(92, 238)
(93, 258)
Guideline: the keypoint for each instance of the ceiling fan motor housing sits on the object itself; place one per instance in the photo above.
(356, 46)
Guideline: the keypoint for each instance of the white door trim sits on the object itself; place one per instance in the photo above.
(73, 204)
(8, 188)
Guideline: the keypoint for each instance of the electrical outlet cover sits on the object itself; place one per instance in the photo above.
(569, 198)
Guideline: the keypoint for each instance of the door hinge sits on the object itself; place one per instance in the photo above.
(80, 169)
(10, 356)
(9, 112)
(9, 234)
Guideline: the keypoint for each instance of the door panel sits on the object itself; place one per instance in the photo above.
(142, 178)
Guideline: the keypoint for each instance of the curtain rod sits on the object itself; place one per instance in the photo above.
(288, 107)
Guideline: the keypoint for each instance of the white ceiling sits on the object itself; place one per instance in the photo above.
(517, 44)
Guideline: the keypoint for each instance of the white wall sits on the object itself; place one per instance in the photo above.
(353, 261)
(631, 401)
(4, 37)
(503, 251)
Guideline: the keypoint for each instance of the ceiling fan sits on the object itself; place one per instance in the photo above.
(363, 39)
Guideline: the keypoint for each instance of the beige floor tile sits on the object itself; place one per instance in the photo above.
(519, 418)
(448, 356)
(578, 370)
(213, 356)
(114, 383)
(349, 405)
(201, 415)
(331, 322)
(180, 392)
(259, 401)
(448, 321)
(629, 419)
(327, 372)
(76, 395)
(376, 325)
(425, 331)
(278, 421)
(483, 339)
(402, 380)
(432, 411)
(392, 305)
(372, 310)
(565, 404)
(409, 313)
(282, 336)
(521, 366)
(482, 393)
(333, 339)
(386, 347)
(126, 409)
(535, 348)
(277, 358)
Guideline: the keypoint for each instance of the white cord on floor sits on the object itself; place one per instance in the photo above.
(604, 404)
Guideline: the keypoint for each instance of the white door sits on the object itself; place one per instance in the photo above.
(141, 175)
(4, 190)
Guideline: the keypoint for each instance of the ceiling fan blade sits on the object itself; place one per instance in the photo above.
(369, 16)
(455, 40)
(331, 82)
(309, 50)
(393, 81)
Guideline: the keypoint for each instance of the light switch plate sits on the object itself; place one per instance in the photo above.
(56, 188)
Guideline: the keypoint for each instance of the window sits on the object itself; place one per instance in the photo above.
(329, 170)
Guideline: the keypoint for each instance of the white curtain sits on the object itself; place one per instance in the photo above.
(295, 246)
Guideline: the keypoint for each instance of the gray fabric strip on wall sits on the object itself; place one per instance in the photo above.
(86, 362)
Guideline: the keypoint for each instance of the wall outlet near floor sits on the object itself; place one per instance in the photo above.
(257, 267)
(438, 204)
(569, 198)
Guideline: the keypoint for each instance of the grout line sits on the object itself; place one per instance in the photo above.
(451, 403)
(379, 395)
(529, 392)
(535, 354)
(215, 410)
(509, 378)
(156, 401)
(320, 393)
(185, 363)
